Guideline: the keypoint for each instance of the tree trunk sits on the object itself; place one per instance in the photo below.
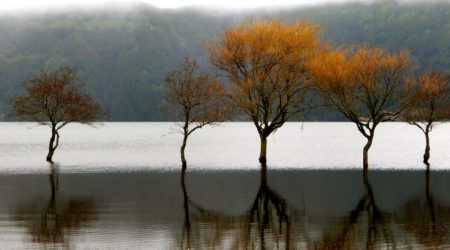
(263, 151)
(183, 147)
(426, 155)
(51, 147)
(366, 153)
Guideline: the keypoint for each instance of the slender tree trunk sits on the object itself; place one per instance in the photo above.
(51, 147)
(366, 153)
(426, 155)
(183, 148)
(263, 151)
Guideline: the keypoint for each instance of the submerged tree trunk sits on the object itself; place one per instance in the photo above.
(366, 153)
(426, 155)
(53, 144)
(263, 151)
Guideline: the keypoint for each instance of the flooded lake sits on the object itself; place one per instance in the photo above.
(155, 146)
(120, 186)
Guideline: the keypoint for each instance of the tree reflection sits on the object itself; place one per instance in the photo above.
(270, 223)
(54, 220)
(366, 226)
(265, 225)
(426, 220)
(186, 242)
(268, 218)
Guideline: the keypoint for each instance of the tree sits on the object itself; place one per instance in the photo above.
(367, 85)
(431, 104)
(265, 63)
(54, 98)
(197, 98)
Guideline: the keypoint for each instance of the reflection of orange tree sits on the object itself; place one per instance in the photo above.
(268, 215)
(49, 222)
(349, 234)
(266, 225)
(426, 220)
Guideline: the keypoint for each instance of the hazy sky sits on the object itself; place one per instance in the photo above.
(13, 5)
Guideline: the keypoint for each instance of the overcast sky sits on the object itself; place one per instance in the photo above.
(13, 5)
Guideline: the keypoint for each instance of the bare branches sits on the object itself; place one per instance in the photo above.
(55, 98)
(197, 98)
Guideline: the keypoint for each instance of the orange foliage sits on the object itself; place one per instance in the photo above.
(367, 85)
(432, 101)
(265, 62)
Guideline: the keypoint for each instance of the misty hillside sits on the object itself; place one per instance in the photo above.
(123, 54)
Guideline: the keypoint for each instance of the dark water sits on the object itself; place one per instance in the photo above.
(273, 209)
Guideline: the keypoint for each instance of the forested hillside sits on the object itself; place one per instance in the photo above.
(123, 54)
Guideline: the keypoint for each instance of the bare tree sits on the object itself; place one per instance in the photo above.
(197, 98)
(368, 86)
(431, 104)
(265, 63)
(54, 98)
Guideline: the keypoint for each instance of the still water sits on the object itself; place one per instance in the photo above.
(119, 186)
(155, 146)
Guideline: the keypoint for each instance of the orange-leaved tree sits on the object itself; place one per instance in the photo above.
(198, 99)
(367, 85)
(431, 104)
(265, 62)
(54, 98)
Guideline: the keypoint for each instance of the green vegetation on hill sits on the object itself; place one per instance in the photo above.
(124, 55)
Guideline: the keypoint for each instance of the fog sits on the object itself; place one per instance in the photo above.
(18, 6)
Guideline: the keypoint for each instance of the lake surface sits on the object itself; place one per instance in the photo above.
(120, 186)
(155, 146)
